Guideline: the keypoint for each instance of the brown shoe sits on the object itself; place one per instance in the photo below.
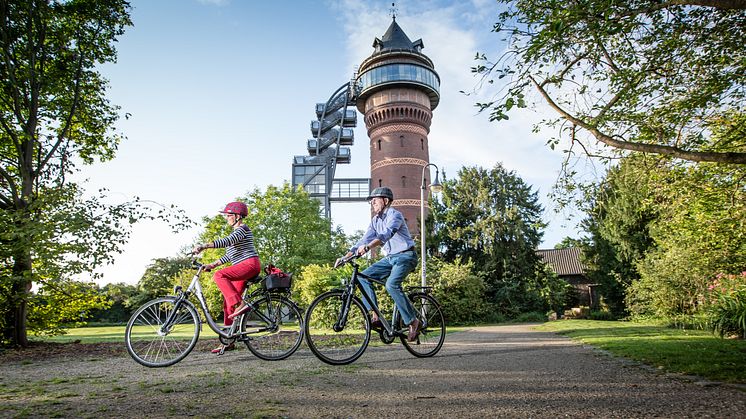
(414, 330)
(376, 325)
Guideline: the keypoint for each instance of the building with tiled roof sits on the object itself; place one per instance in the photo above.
(568, 265)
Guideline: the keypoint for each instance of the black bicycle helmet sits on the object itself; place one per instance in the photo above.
(382, 192)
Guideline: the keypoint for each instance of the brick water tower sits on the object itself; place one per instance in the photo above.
(399, 91)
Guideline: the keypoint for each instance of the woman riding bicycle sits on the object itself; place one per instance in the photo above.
(244, 259)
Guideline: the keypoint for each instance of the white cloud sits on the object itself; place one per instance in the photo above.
(214, 2)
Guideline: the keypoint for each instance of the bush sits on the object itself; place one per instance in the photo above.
(726, 307)
(461, 293)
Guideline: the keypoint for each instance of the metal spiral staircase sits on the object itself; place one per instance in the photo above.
(332, 134)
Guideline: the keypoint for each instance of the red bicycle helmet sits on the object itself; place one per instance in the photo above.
(236, 208)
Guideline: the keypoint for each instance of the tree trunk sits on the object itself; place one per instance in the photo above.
(19, 298)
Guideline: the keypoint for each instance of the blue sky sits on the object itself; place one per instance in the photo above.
(221, 94)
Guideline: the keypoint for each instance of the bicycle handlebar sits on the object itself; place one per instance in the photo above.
(345, 260)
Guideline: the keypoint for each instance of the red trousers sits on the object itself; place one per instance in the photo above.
(232, 280)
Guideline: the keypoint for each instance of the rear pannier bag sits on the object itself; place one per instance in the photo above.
(276, 279)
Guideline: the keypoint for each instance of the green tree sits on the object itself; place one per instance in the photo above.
(493, 219)
(568, 242)
(620, 214)
(701, 233)
(652, 77)
(54, 114)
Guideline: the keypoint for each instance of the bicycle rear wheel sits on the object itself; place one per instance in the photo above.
(330, 341)
(433, 332)
(274, 328)
(153, 342)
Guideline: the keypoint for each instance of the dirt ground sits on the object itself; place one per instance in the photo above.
(495, 371)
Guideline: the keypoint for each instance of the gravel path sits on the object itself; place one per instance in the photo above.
(483, 372)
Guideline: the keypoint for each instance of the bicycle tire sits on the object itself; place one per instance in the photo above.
(433, 332)
(336, 347)
(149, 345)
(274, 328)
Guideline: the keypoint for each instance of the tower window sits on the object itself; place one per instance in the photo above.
(401, 138)
(379, 144)
(403, 181)
(422, 143)
(380, 182)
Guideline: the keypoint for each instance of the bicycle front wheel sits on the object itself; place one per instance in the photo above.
(274, 328)
(162, 332)
(337, 334)
(433, 329)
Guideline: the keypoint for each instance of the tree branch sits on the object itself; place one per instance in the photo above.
(731, 158)
(718, 4)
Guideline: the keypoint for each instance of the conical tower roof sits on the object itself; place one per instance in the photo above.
(396, 39)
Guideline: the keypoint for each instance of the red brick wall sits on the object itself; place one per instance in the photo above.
(398, 122)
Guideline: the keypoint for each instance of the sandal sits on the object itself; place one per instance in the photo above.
(239, 311)
(222, 348)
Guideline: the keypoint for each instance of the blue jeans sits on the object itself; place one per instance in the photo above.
(396, 267)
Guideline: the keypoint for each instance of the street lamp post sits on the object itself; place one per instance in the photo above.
(435, 187)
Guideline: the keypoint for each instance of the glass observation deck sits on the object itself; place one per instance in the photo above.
(350, 190)
(397, 73)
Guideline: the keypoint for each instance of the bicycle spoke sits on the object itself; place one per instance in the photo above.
(152, 342)
(273, 328)
(432, 334)
(336, 346)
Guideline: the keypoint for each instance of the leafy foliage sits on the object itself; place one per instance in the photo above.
(701, 231)
(67, 303)
(493, 219)
(660, 229)
(554, 292)
(53, 115)
(726, 306)
(633, 75)
(618, 223)
(315, 280)
(460, 292)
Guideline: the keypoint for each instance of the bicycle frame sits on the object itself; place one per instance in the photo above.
(355, 284)
(196, 288)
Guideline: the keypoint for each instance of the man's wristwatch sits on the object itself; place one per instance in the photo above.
(366, 248)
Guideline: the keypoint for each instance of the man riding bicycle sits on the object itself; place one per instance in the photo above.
(388, 230)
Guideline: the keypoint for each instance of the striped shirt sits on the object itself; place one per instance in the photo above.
(239, 245)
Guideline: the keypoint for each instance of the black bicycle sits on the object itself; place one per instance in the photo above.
(163, 331)
(338, 328)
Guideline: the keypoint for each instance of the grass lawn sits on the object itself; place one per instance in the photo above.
(101, 334)
(694, 352)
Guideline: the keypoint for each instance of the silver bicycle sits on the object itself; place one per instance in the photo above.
(163, 331)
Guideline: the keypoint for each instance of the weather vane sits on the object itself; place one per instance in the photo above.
(393, 11)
